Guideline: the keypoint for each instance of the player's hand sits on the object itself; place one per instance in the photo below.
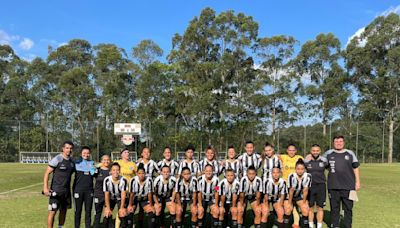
(308, 157)
(46, 192)
(222, 210)
(107, 212)
(130, 209)
(122, 212)
(222, 163)
(358, 186)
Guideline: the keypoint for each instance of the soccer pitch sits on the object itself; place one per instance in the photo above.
(22, 205)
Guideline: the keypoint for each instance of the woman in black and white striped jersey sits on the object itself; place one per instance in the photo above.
(168, 161)
(210, 159)
(189, 162)
(208, 196)
(228, 190)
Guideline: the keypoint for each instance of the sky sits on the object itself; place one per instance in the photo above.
(31, 26)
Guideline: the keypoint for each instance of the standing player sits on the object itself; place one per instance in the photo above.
(189, 162)
(228, 197)
(168, 161)
(317, 193)
(164, 186)
(343, 177)
(208, 196)
(210, 159)
(269, 161)
(141, 194)
(150, 166)
(83, 187)
(102, 172)
(62, 167)
(115, 188)
(249, 158)
(250, 189)
(231, 163)
(299, 183)
(275, 192)
(186, 194)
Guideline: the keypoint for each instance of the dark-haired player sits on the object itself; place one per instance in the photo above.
(186, 194)
(168, 161)
(102, 172)
(210, 159)
(299, 183)
(62, 167)
(249, 158)
(275, 191)
(228, 198)
(149, 165)
(189, 162)
(115, 188)
(141, 195)
(164, 186)
(269, 161)
(250, 189)
(231, 163)
(208, 196)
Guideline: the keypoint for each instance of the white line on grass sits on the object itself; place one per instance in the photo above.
(17, 189)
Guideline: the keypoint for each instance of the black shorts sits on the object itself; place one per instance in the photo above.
(250, 199)
(274, 200)
(317, 195)
(207, 204)
(297, 198)
(60, 201)
(141, 202)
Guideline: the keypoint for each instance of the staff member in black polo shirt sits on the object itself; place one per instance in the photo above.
(316, 165)
(343, 176)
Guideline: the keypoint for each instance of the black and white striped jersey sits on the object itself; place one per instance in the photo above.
(150, 168)
(249, 160)
(173, 166)
(208, 188)
(141, 190)
(164, 188)
(214, 163)
(268, 164)
(299, 183)
(273, 189)
(186, 189)
(250, 188)
(235, 165)
(228, 189)
(115, 187)
(193, 167)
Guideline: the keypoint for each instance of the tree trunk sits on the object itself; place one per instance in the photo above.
(391, 132)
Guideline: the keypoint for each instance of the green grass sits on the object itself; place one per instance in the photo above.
(379, 204)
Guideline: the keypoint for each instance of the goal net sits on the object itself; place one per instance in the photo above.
(36, 157)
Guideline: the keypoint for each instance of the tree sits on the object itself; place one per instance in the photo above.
(319, 60)
(373, 59)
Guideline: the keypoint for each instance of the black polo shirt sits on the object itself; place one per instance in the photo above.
(316, 168)
(341, 164)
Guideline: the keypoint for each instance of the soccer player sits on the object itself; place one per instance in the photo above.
(343, 177)
(168, 161)
(150, 166)
(231, 163)
(317, 193)
(250, 189)
(189, 162)
(210, 159)
(102, 172)
(275, 191)
(299, 183)
(83, 187)
(141, 194)
(62, 167)
(249, 158)
(208, 196)
(164, 186)
(115, 188)
(186, 194)
(228, 197)
(269, 161)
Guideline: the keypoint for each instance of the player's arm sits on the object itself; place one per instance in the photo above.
(107, 209)
(234, 200)
(357, 175)
(199, 197)
(150, 194)
(122, 210)
(46, 190)
(258, 197)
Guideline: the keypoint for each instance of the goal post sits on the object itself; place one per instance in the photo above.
(33, 157)
(116, 155)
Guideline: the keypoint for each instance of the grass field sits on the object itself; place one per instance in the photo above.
(379, 204)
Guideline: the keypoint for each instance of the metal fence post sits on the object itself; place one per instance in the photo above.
(383, 141)
(357, 139)
(305, 141)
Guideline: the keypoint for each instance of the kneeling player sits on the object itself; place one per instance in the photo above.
(186, 194)
(163, 192)
(298, 185)
(228, 196)
(208, 196)
(141, 193)
(275, 191)
(115, 188)
(250, 189)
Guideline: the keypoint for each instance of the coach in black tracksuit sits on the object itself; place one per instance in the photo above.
(343, 177)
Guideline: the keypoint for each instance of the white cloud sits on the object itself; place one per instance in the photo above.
(392, 9)
(6, 38)
(26, 44)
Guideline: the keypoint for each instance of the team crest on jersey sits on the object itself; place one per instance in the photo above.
(321, 164)
(346, 157)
